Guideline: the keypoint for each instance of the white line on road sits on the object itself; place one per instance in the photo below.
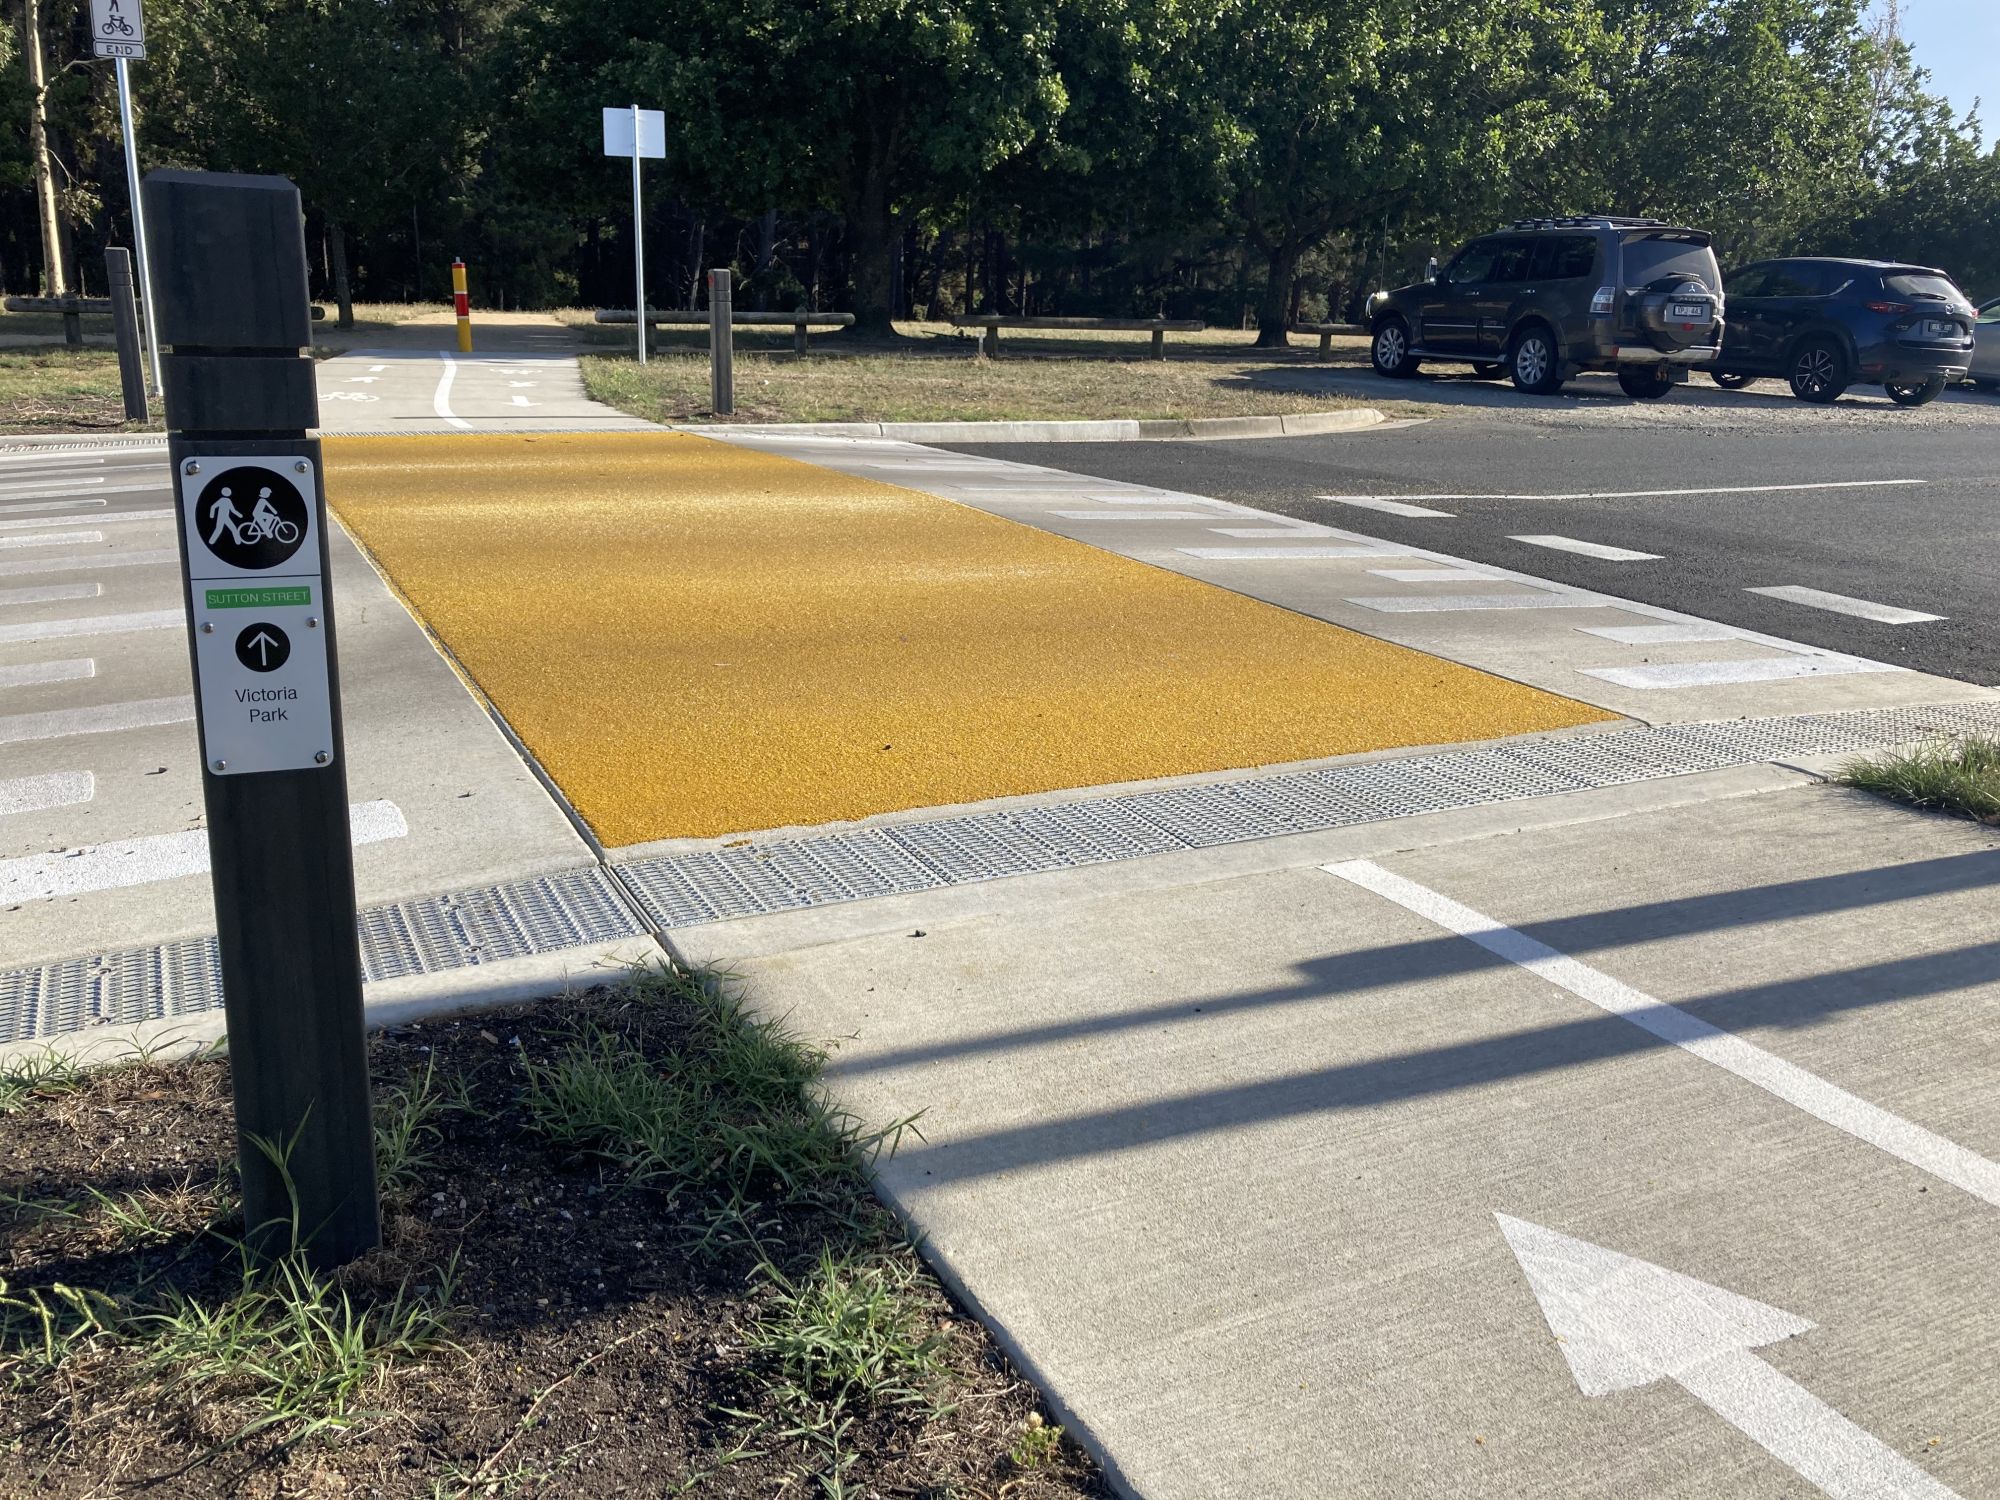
(59, 630)
(1268, 554)
(52, 482)
(64, 461)
(1623, 1323)
(31, 674)
(1587, 549)
(1927, 1152)
(1392, 507)
(38, 507)
(1438, 604)
(1840, 604)
(93, 561)
(164, 856)
(1661, 635)
(49, 538)
(441, 402)
(49, 593)
(524, 401)
(1433, 575)
(1683, 674)
(39, 793)
(376, 369)
(1737, 489)
(165, 513)
(103, 718)
(1136, 515)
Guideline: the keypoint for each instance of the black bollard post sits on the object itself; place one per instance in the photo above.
(229, 270)
(125, 330)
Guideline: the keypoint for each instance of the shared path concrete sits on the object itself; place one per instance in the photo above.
(1596, 1111)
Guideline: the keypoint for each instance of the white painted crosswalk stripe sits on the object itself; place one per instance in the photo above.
(1685, 674)
(1389, 507)
(166, 856)
(1841, 604)
(39, 793)
(49, 593)
(64, 481)
(1436, 604)
(48, 538)
(31, 523)
(45, 507)
(1136, 515)
(1662, 635)
(34, 673)
(101, 718)
(1282, 554)
(1433, 575)
(1587, 549)
(16, 567)
(59, 630)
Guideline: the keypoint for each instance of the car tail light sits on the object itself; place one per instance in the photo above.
(1600, 305)
(1895, 309)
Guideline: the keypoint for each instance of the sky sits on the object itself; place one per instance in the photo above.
(1958, 41)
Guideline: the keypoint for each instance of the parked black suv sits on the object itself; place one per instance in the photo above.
(1827, 324)
(1547, 298)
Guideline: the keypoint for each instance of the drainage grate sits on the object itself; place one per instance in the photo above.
(687, 890)
(570, 909)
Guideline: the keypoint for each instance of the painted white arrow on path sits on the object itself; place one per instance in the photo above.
(376, 369)
(524, 401)
(521, 384)
(1624, 1323)
(362, 379)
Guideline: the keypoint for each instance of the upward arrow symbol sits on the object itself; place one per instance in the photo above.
(1624, 1323)
(263, 645)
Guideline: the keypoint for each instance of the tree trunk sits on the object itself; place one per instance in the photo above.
(767, 251)
(1281, 270)
(871, 248)
(697, 246)
(57, 281)
(342, 292)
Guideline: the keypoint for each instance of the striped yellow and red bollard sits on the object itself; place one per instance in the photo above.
(462, 305)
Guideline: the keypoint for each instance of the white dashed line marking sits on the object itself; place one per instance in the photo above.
(31, 674)
(48, 538)
(1840, 604)
(1587, 549)
(95, 560)
(1684, 674)
(1391, 507)
(103, 718)
(58, 630)
(1661, 635)
(49, 593)
(1280, 554)
(39, 793)
(1426, 604)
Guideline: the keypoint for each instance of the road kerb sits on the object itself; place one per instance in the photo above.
(1117, 430)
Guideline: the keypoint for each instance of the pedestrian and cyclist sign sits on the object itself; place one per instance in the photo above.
(117, 28)
(253, 552)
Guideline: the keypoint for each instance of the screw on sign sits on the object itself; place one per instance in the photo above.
(251, 517)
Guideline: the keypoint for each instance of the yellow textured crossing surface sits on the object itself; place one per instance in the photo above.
(697, 639)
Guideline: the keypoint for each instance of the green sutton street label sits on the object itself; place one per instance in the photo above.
(259, 598)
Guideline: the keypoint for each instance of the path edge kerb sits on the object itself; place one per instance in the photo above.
(1117, 430)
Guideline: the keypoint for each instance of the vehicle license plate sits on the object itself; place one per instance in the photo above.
(1940, 330)
(1691, 312)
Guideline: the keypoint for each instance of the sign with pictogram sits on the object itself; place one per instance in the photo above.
(117, 28)
(259, 600)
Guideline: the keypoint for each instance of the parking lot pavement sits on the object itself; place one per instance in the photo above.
(101, 849)
(1675, 1178)
(1896, 519)
(1402, 578)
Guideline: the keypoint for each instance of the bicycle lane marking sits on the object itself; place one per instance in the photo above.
(441, 402)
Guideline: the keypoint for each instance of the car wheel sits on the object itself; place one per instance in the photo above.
(1645, 382)
(1391, 350)
(1729, 380)
(1533, 362)
(1921, 394)
(1489, 371)
(1819, 371)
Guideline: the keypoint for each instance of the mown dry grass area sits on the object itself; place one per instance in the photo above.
(673, 387)
(629, 1249)
(63, 390)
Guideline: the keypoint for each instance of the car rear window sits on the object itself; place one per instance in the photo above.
(1649, 257)
(1565, 257)
(1918, 284)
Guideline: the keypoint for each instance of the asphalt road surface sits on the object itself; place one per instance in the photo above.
(1866, 533)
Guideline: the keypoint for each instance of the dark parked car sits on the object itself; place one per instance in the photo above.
(1547, 298)
(1825, 325)
(1986, 353)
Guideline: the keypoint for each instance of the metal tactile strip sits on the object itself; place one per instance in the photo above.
(570, 909)
(686, 890)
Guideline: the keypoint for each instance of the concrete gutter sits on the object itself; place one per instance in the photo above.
(1121, 430)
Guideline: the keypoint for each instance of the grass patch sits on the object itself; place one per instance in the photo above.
(63, 390)
(673, 387)
(629, 1248)
(1959, 776)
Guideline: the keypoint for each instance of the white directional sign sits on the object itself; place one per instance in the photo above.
(117, 28)
(1623, 1323)
(618, 132)
(259, 603)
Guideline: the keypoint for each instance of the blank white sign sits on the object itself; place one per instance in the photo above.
(618, 132)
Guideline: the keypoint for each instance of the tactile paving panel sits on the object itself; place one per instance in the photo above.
(687, 890)
(570, 909)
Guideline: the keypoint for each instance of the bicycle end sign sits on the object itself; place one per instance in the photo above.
(117, 28)
(259, 598)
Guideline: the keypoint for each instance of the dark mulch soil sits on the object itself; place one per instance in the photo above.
(592, 1353)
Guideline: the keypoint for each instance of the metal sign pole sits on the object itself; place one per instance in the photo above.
(638, 239)
(252, 527)
(138, 216)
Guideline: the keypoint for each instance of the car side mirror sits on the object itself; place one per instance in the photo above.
(1431, 271)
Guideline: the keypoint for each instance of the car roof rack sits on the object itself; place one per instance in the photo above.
(1590, 221)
